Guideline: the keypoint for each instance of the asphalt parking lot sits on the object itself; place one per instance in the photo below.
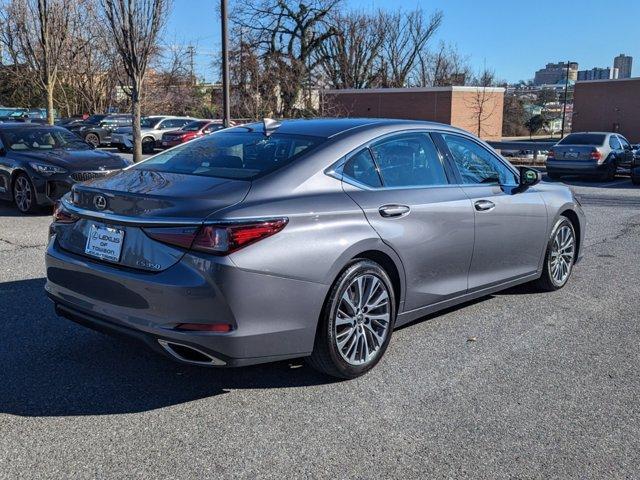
(515, 385)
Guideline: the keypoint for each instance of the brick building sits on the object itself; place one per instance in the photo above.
(475, 109)
(608, 106)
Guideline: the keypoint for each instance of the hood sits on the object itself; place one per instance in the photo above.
(74, 159)
(147, 194)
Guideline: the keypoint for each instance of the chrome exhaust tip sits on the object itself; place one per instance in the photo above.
(188, 354)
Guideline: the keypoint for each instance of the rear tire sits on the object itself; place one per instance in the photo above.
(559, 257)
(148, 145)
(635, 180)
(356, 323)
(122, 149)
(611, 172)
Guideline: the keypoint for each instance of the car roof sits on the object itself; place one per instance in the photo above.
(330, 127)
(15, 125)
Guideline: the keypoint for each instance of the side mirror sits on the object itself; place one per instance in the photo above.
(627, 147)
(529, 177)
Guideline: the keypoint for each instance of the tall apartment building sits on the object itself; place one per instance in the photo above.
(556, 73)
(623, 63)
(598, 74)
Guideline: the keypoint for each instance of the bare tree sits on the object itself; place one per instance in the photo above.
(406, 36)
(40, 31)
(288, 35)
(443, 67)
(135, 25)
(482, 104)
(351, 57)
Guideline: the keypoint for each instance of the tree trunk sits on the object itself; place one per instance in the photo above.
(137, 134)
(50, 117)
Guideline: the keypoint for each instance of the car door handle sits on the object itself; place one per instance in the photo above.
(393, 210)
(484, 205)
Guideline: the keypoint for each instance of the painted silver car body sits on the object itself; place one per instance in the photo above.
(124, 137)
(440, 253)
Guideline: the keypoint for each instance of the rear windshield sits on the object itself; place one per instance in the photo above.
(583, 139)
(194, 126)
(233, 155)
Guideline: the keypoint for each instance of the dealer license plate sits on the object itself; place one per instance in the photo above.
(105, 242)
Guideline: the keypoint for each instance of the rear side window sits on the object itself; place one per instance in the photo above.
(409, 160)
(361, 168)
(234, 155)
(583, 139)
(614, 143)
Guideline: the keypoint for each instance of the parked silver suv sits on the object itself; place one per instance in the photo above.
(153, 127)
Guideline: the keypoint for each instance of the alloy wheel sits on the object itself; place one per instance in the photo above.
(23, 194)
(561, 256)
(362, 319)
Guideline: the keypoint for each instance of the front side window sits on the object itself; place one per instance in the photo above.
(409, 160)
(476, 164)
(234, 155)
(360, 167)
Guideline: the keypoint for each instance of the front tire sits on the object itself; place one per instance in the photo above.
(356, 323)
(559, 257)
(24, 194)
(635, 180)
(93, 139)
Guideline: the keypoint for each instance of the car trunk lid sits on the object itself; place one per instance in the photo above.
(115, 210)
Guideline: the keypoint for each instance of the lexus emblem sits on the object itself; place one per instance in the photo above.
(100, 202)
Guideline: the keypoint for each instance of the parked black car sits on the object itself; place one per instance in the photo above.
(97, 129)
(40, 163)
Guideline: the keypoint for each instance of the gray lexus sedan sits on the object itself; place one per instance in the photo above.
(305, 238)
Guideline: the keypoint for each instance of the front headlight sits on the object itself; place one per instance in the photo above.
(45, 169)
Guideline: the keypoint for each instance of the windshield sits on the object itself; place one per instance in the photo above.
(38, 139)
(149, 122)
(193, 126)
(6, 111)
(583, 139)
(233, 155)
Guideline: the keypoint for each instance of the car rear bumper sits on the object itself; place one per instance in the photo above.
(272, 318)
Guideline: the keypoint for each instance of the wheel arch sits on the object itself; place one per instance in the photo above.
(389, 266)
(575, 221)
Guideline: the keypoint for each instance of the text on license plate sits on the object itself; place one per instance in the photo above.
(104, 242)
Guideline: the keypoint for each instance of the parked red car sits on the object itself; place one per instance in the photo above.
(190, 131)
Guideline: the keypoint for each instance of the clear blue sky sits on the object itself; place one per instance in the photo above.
(514, 38)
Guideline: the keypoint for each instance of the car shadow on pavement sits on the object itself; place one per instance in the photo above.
(619, 183)
(8, 209)
(52, 367)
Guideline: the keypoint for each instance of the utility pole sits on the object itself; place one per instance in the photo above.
(226, 116)
(191, 52)
(564, 105)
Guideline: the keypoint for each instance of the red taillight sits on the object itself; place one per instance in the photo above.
(596, 155)
(179, 236)
(551, 154)
(205, 327)
(218, 239)
(60, 215)
(223, 239)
